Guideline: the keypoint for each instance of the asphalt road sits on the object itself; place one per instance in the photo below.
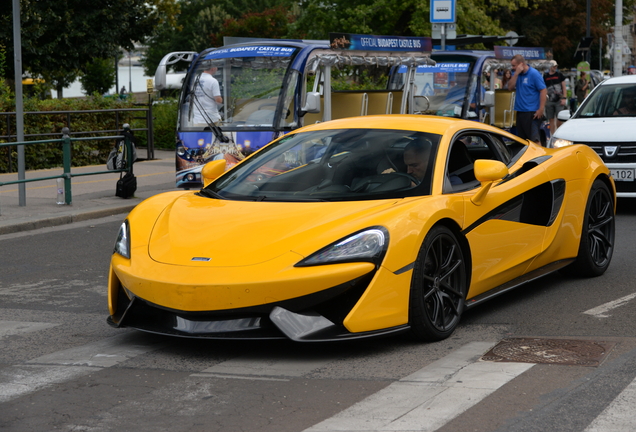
(63, 368)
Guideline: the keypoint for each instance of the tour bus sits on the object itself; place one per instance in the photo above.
(270, 87)
(465, 84)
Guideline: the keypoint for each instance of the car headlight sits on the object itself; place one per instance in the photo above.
(369, 245)
(558, 143)
(122, 245)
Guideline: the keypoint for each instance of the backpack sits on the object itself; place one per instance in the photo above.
(117, 158)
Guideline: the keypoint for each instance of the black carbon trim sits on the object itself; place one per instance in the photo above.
(529, 165)
(243, 323)
(537, 206)
(558, 195)
(501, 289)
(405, 268)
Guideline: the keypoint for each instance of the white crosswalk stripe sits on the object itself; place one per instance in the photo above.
(424, 401)
(429, 398)
(71, 363)
(8, 328)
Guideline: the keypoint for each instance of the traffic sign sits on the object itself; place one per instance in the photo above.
(442, 11)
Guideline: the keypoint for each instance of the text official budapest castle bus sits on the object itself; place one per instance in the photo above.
(270, 87)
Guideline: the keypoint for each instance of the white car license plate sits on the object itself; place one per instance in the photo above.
(623, 174)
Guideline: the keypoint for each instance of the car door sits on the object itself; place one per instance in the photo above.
(506, 230)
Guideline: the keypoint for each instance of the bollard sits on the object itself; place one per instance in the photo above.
(66, 161)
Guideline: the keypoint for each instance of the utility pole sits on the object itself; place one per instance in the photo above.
(618, 40)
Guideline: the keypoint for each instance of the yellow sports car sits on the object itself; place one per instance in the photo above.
(361, 227)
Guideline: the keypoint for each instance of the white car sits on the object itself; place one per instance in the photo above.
(606, 121)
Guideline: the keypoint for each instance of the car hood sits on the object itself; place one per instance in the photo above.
(604, 129)
(197, 231)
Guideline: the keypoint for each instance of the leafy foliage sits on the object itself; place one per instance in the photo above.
(165, 123)
(59, 35)
(196, 22)
(272, 23)
(98, 76)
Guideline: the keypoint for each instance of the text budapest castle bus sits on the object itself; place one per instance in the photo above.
(239, 97)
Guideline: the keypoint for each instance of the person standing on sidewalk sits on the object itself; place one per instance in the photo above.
(531, 95)
(581, 88)
(557, 94)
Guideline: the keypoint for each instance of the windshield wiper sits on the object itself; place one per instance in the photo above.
(209, 194)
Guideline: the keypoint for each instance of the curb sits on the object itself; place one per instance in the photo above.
(65, 219)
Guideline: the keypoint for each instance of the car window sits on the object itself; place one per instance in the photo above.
(340, 164)
(608, 101)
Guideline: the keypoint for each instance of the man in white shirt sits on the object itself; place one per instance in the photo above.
(208, 96)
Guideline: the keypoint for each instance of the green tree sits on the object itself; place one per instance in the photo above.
(98, 76)
(195, 24)
(59, 35)
(400, 18)
(561, 25)
(271, 23)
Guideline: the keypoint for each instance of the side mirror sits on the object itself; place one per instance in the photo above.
(212, 170)
(488, 99)
(487, 171)
(312, 103)
(564, 115)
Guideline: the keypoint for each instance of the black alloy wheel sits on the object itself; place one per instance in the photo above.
(597, 234)
(438, 287)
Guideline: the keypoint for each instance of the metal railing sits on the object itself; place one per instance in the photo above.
(11, 134)
(66, 142)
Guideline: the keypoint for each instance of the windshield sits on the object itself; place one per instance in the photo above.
(440, 89)
(610, 101)
(342, 164)
(242, 87)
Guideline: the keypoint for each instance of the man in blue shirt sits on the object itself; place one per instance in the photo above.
(530, 98)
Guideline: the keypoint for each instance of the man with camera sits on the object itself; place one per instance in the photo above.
(557, 94)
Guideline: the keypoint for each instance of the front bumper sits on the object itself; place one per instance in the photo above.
(310, 318)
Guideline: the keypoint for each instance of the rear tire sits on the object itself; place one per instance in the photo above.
(597, 234)
(438, 287)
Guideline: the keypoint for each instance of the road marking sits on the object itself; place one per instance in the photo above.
(247, 367)
(429, 398)
(240, 377)
(9, 328)
(72, 363)
(601, 311)
(619, 415)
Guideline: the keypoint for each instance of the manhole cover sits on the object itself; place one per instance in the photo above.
(551, 351)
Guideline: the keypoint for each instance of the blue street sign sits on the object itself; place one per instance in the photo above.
(442, 11)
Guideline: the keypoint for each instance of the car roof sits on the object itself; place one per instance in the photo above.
(625, 79)
(433, 124)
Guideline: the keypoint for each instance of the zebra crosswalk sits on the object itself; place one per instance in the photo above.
(426, 400)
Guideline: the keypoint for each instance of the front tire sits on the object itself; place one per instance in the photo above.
(597, 234)
(438, 287)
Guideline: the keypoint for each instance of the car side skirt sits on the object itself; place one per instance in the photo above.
(515, 283)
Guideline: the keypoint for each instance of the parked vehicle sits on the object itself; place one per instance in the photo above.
(606, 122)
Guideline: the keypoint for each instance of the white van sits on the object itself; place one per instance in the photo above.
(606, 121)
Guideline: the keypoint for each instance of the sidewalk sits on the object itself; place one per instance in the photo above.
(93, 196)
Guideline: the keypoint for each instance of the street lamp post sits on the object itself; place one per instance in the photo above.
(129, 72)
